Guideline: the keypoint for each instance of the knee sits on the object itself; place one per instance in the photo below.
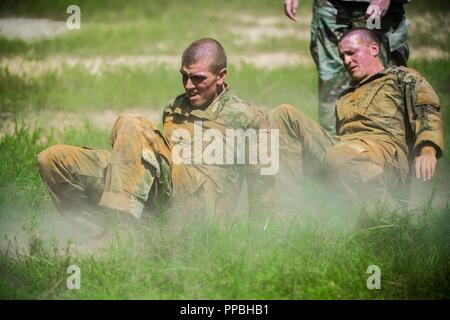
(126, 117)
(282, 113)
(131, 120)
(281, 110)
(48, 157)
(133, 125)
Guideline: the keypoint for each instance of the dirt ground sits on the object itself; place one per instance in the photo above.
(31, 29)
(248, 29)
(60, 120)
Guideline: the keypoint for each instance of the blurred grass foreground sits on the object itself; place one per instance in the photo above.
(67, 86)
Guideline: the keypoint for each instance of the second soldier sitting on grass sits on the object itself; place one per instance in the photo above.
(388, 123)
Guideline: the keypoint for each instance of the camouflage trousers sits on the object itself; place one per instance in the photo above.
(88, 185)
(353, 170)
(330, 19)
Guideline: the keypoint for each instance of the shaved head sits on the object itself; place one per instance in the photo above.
(208, 49)
(366, 35)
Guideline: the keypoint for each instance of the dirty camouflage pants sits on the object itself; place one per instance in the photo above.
(355, 169)
(87, 185)
(330, 19)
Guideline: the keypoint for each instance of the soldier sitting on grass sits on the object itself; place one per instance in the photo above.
(91, 186)
(388, 122)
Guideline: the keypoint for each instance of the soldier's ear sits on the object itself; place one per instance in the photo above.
(221, 76)
(375, 49)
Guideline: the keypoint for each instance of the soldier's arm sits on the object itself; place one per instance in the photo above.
(168, 108)
(290, 9)
(429, 130)
(377, 7)
(425, 163)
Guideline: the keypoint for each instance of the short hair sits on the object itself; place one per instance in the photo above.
(369, 35)
(206, 48)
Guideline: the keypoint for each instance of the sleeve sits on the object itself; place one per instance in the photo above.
(167, 109)
(428, 124)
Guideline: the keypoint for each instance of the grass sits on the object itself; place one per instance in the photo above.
(76, 89)
(149, 27)
(167, 27)
(320, 253)
(20, 182)
(22, 189)
(317, 258)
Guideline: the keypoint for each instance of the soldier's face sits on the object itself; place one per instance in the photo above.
(360, 58)
(200, 84)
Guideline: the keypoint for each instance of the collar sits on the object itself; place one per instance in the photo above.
(382, 73)
(212, 111)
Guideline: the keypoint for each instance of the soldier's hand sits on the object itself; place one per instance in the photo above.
(425, 164)
(290, 9)
(377, 7)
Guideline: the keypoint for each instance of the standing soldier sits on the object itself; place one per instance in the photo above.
(330, 19)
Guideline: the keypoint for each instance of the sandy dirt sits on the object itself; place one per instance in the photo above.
(260, 29)
(246, 29)
(60, 120)
(31, 29)
(96, 65)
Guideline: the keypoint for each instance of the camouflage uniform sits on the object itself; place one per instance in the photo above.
(139, 173)
(214, 189)
(330, 19)
(370, 156)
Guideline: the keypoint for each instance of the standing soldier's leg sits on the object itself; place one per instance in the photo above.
(394, 26)
(327, 25)
(134, 165)
(74, 178)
